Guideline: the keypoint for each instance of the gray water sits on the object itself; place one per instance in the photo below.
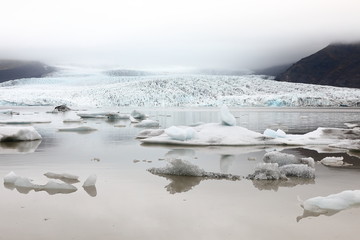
(131, 203)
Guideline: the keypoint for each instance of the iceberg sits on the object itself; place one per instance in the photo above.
(226, 117)
(334, 162)
(90, 181)
(179, 167)
(147, 124)
(330, 204)
(18, 134)
(11, 178)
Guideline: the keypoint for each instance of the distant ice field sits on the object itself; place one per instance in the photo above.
(90, 87)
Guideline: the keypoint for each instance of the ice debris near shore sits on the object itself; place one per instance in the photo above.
(179, 167)
(332, 203)
(18, 134)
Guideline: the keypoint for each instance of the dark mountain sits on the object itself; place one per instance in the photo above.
(272, 71)
(335, 65)
(13, 69)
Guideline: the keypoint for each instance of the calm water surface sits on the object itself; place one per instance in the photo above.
(131, 203)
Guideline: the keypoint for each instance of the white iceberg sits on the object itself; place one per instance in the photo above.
(333, 161)
(333, 202)
(180, 134)
(78, 129)
(18, 134)
(90, 181)
(147, 124)
(226, 117)
(11, 178)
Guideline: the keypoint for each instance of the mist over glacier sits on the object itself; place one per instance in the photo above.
(94, 88)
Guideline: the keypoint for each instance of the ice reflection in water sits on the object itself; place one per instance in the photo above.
(19, 147)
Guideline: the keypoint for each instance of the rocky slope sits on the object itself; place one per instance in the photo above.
(335, 65)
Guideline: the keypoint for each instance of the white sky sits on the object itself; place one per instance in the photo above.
(171, 33)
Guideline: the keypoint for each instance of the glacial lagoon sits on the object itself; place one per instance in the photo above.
(128, 202)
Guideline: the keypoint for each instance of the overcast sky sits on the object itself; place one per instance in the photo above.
(229, 34)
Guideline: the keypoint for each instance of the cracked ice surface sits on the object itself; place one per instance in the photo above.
(73, 87)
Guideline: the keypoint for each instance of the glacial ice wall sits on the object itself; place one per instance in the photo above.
(100, 90)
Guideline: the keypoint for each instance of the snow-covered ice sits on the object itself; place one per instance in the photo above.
(226, 116)
(149, 133)
(267, 171)
(274, 134)
(180, 134)
(280, 158)
(18, 134)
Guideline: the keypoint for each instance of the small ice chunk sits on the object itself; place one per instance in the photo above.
(308, 161)
(280, 158)
(274, 134)
(226, 117)
(24, 182)
(90, 181)
(133, 120)
(179, 167)
(113, 115)
(267, 171)
(138, 115)
(298, 170)
(61, 175)
(149, 133)
(147, 124)
(180, 134)
(11, 178)
(333, 161)
(78, 129)
(93, 114)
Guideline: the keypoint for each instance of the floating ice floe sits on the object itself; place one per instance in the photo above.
(62, 176)
(331, 204)
(179, 167)
(284, 159)
(24, 121)
(226, 117)
(334, 162)
(147, 124)
(149, 133)
(353, 145)
(214, 134)
(73, 120)
(90, 181)
(78, 129)
(138, 115)
(18, 134)
(274, 134)
(25, 185)
(114, 115)
(180, 134)
(297, 170)
(133, 120)
(93, 114)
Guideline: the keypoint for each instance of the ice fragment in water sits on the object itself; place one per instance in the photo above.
(61, 175)
(78, 129)
(267, 171)
(280, 158)
(18, 134)
(90, 181)
(138, 115)
(226, 117)
(11, 177)
(297, 170)
(149, 133)
(147, 124)
(333, 161)
(274, 134)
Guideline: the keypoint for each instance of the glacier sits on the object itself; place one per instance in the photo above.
(84, 87)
